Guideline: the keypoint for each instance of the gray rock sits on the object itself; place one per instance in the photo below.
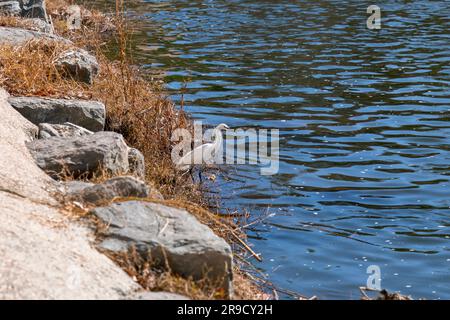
(78, 64)
(66, 130)
(81, 155)
(17, 36)
(169, 235)
(87, 114)
(136, 161)
(10, 8)
(119, 187)
(159, 296)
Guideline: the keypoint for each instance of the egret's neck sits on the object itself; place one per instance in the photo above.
(218, 139)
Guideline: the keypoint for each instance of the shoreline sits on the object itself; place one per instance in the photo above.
(111, 109)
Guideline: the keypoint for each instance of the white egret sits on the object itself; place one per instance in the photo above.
(204, 154)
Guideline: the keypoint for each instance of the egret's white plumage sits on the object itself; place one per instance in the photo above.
(204, 154)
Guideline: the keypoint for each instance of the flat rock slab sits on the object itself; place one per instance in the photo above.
(118, 187)
(17, 36)
(81, 155)
(66, 130)
(87, 114)
(168, 235)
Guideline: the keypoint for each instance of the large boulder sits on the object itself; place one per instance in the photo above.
(66, 130)
(168, 236)
(78, 64)
(87, 114)
(118, 187)
(91, 154)
(17, 36)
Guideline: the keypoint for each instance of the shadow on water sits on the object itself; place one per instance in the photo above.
(364, 128)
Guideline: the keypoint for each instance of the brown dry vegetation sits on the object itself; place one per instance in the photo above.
(136, 108)
(95, 25)
(9, 21)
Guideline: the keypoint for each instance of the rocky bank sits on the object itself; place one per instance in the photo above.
(46, 253)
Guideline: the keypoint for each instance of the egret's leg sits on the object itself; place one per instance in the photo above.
(191, 172)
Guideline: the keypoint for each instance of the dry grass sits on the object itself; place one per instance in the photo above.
(146, 118)
(137, 109)
(17, 22)
(29, 70)
(95, 25)
(58, 5)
